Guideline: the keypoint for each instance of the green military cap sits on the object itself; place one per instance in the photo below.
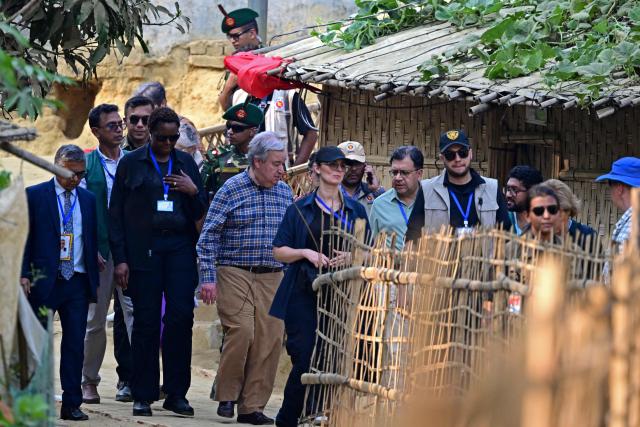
(246, 113)
(236, 18)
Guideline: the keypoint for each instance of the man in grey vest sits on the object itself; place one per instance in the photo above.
(459, 196)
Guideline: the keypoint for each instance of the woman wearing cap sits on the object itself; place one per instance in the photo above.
(299, 242)
(569, 209)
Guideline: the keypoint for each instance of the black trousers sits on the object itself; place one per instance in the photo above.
(174, 273)
(70, 298)
(300, 326)
(121, 344)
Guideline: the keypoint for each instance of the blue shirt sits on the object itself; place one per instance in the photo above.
(387, 215)
(293, 233)
(240, 226)
(78, 244)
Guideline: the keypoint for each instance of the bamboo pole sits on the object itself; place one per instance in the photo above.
(35, 160)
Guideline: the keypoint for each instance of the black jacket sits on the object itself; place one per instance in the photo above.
(134, 200)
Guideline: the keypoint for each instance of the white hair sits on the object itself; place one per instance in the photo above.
(262, 143)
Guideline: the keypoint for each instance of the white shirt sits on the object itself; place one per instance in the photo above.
(109, 167)
(78, 245)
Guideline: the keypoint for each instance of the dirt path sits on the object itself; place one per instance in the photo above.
(110, 413)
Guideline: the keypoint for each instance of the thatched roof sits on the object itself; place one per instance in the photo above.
(390, 67)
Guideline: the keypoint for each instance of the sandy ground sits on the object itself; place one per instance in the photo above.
(32, 174)
(204, 364)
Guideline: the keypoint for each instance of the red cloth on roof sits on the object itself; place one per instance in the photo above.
(251, 70)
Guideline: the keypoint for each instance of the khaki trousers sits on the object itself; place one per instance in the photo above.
(95, 340)
(252, 338)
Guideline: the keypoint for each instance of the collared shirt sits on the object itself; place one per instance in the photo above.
(364, 195)
(622, 230)
(240, 226)
(109, 166)
(78, 245)
(386, 215)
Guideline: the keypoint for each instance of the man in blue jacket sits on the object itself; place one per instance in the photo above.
(60, 265)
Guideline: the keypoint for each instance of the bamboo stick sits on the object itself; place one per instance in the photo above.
(35, 160)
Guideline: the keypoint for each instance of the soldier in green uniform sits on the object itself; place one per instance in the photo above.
(241, 29)
(221, 163)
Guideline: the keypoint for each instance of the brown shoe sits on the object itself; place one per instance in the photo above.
(90, 393)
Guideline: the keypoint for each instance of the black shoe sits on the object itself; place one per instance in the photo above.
(179, 405)
(225, 409)
(124, 392)
(141, 409)
(255, 418)
(72, 414)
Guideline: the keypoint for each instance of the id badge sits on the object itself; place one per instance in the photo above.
(464, 231)
(165, 206)
(66, 246)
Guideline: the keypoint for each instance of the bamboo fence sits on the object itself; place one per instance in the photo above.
(487, 329)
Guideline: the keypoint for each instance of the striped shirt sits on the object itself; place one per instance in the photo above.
(240, 226)
(622, 230)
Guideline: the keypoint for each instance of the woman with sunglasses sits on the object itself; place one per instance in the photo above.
(156, 200)
(299, 242)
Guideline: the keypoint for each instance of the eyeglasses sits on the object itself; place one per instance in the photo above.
(402, 173)
(80, 174)
(450, 155)
(237, 128)
(337, 166)
(539, 210)
(513, 190)
(134, 119)
(164, 138)
(236, 37)
(113, 126)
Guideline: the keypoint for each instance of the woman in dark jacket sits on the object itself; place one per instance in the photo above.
(157, 199)
(297, 243)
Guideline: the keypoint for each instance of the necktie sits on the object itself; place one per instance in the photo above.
(66, 267)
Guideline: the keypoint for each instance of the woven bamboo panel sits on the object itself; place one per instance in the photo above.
(581, 142)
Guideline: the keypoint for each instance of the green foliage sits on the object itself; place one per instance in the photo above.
(5, 179)
(565, 40)
(36, 37)
(27, 411)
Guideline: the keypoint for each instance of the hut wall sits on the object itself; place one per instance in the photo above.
(573, 145)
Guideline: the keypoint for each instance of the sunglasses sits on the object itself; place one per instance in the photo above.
(236, 37)
(113, 126)
(237, 128)
(337, 166)
(134, 120)
(164, 138)
(450, 155)
(80, 174)
(402, 173)
(539, 210)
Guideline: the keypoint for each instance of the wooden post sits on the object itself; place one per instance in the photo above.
(541, 359)
(35, 160)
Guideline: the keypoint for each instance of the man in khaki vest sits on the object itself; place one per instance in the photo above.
(459, 196)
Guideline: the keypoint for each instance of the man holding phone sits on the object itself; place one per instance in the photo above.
(360, 181)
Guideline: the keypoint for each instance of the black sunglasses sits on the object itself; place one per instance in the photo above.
(135, 119)
(164, 138)
(236, 37)
(539, 210)
(80, 174)
(450, 155)
(237, 128)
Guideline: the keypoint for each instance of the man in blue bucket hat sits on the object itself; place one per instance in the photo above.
(624, 175)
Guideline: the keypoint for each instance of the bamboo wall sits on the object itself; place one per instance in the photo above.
(573, 146)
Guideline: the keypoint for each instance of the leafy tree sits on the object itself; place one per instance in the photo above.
(36, 36)
(594, 42)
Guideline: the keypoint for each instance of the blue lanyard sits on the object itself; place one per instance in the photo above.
(67, 217)
(465, 214)
(104, 166)
(340, 217)
(404, 214)
(155, 163)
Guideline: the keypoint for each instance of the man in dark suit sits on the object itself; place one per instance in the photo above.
(60, 265)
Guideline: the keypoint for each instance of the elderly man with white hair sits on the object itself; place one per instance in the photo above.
(240, 273)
